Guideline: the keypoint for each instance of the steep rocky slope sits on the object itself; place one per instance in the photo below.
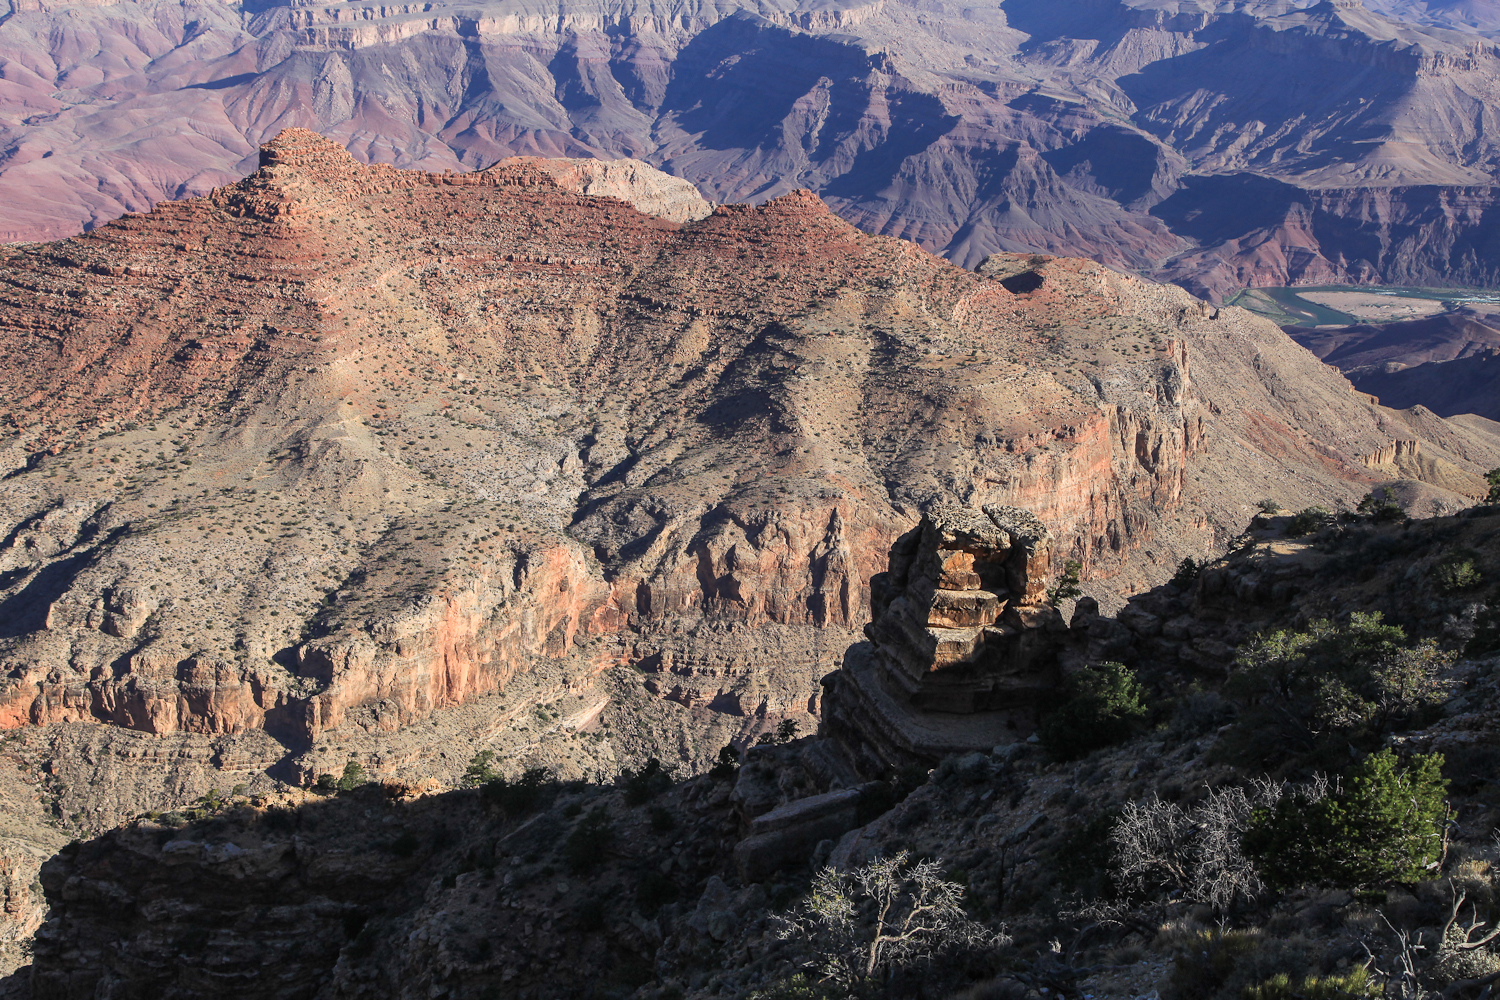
(1217, 145)
(1445, 363)
(1464, 385)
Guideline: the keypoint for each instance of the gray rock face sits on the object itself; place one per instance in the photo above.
(1215, 145)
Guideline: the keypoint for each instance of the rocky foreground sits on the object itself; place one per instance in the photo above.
(650, 887)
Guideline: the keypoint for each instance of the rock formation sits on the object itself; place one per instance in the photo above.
(646, 188)
(1218, 146)
(962, 642)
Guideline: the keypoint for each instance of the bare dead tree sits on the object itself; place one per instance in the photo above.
(1401, 972)
(891, 913)
(1458, 936)
(1162, 847)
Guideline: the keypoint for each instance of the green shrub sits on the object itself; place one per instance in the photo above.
(644, 785)
(1457, 573)
(1309, 520)
(1314, 692)
(1493, 479)
(1346, 986)
(1066, 588)
(662, 819)
(1082, 856)
(354, 776)
(1187, 572)
(728, 763)
(1381, 510)
(1456, 964)
(1384, 826)
(1104, 705)
(479, 772)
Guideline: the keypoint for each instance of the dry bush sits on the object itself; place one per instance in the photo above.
(891, 913)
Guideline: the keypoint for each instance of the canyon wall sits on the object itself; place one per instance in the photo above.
(339, 447)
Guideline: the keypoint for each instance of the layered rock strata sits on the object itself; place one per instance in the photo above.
(961, 642)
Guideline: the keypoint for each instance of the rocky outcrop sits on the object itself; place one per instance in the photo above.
(962, 641)
(637, 184)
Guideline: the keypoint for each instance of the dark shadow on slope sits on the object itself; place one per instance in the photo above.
(917, 121)
(26, 610)
(1223, 207)
(228, 891)
(1047, 20)
(1448, 388)
(572, 82)
(225, 83)
(737, 81)
(1124, 165)
(1306, 77)
(17, 985)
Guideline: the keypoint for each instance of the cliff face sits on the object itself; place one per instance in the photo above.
(1214, 146)
(339, 447)
(1255, 231)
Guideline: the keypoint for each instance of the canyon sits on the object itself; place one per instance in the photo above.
(344, 464)
(1213, 145)
(339, 447)
(1444, 362)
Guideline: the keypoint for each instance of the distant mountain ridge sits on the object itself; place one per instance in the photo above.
(1213, 144)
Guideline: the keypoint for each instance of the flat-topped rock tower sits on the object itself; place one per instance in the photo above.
(961, 641)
